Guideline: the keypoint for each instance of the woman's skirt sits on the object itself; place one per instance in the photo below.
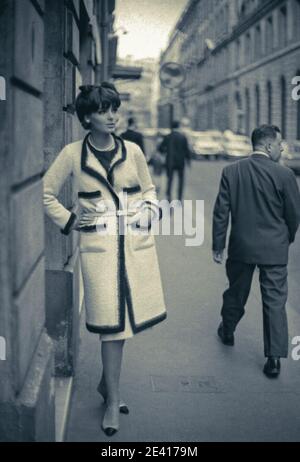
(125, 334)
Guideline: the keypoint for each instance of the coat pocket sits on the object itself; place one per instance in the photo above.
(132, 189)
(93, 241)
(133, 198)
(89, 194)
(141, 239)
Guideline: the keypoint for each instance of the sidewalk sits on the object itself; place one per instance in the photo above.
(180, 382)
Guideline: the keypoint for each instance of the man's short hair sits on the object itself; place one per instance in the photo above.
(175, 124)
(94, 97)
(262, 133)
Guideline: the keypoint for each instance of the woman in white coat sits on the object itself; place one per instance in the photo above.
(116, 206)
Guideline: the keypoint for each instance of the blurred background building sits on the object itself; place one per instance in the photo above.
(239, 57)
(141, 95)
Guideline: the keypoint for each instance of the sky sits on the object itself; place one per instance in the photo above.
(148, 23)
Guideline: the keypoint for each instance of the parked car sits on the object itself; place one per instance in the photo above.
(236, 146)
(207, 144)
(291, 156)
(163, 131)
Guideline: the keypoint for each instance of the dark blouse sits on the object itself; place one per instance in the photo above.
(104, 157)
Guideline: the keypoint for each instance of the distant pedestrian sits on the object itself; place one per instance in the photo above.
(157, 162)
(264, 202)
(132, 134)
(176, 147)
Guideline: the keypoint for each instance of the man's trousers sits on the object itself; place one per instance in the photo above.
(274, 289)
(180, 173)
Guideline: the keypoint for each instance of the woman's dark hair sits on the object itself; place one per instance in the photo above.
(94, 97)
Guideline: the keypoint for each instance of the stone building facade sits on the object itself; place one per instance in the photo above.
(142, 93)
(240, 57)
(48, 48)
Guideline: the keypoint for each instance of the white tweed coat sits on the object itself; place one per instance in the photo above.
(116, 267)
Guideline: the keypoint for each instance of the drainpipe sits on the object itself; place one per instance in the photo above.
(103, 20)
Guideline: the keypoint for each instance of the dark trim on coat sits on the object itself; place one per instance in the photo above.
(94, 173)
(145, 325)
(136, 329)
(91, 228)
(132, 189)
(89, 194)
(150, 323)
(121, 251)
(66, 230)
(114, 165)
(123, 285)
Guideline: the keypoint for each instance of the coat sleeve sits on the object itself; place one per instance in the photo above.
(53, 181)
(148, 188)
(221, 214)
(291, 197)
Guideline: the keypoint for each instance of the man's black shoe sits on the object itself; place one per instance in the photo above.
(227, 339)
(272, 367)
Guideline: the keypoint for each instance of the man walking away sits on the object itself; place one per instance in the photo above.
(178, 154)
(133, 135)
(264, 202)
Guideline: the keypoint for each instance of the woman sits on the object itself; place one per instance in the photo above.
(116, 205)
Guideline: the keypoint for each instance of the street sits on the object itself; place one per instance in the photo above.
(179, 381)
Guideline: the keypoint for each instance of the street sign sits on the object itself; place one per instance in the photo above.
(171, 75)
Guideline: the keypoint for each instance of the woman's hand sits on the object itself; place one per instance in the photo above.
(87, 219)
(142, 219)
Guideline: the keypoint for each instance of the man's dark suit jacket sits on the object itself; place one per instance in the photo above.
(264, 201)
(135, 137)
(177, 149)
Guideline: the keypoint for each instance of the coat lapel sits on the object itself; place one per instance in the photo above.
(91, 165)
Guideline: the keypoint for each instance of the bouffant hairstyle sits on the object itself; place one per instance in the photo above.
(93, 98)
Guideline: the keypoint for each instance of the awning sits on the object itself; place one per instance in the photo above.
(127, 72)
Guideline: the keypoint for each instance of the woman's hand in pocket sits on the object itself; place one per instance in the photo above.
(142, 219)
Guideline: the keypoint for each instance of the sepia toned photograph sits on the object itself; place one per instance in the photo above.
(149, 224)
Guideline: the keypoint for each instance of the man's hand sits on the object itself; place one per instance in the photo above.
(218, 256)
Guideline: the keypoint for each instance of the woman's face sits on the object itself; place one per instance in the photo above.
(104, 120)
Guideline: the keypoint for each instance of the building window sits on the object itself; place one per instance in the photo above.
(237, 54)
(283, 106)
(247, 112)
(257, 42)
(283, 26)
(248, 48)
(296, 17)
(269, 35)
(270, 102)
(257, 100)
(239, 113)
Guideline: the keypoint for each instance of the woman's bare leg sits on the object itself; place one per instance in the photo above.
(112, 352)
